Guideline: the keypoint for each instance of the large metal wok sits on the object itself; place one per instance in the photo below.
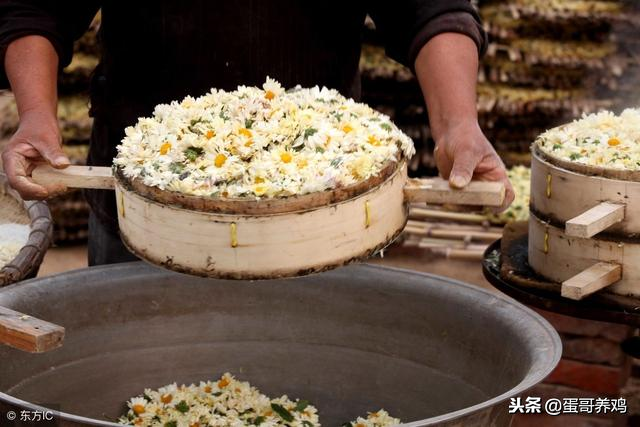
(430, 350)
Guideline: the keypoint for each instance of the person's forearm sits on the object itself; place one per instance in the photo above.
(31, 64)
(447, 70)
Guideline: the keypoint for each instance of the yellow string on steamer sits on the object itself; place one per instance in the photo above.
(546, 241)
(367, 215)
(234, 235)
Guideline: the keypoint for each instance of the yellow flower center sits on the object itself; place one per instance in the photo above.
(260, 190)
(613, 142)
(207, 389)
(269, 95)
(245, 132)
(164, 148)
(223, 383)
(249, 143)
(259, 180)
(166, 398)
(285, 157)
(220, 159)
(210, 134)
(138, 409)
(302, 163)
(373, 140)
(346, 128)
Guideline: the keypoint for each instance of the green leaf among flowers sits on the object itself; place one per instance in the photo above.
(282, 412)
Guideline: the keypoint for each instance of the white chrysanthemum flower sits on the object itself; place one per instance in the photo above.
(226, 144)
(12, 238)
(602, 139)
(226, 402)
(376, 419)
(272, 88)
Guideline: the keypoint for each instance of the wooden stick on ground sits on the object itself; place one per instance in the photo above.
(452, 226)
(460, 251)
(28, 333)
(418, 213)
(454, 234)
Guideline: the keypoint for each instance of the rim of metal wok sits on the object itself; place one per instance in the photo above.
(541, 369)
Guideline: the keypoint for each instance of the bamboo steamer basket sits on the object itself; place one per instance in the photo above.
(584, 229)
(267, 238)
(562, 191)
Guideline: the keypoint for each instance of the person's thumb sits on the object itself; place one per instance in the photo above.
(462, 171)
(53, 154)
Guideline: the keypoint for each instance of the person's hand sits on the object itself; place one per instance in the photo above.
(463, 153)
(37, 141)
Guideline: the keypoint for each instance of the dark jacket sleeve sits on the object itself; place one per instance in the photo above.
(61, 22)
(407, 25)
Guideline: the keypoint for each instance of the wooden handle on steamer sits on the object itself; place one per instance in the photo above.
(28, 333)
(591, 280)
(418, 190)
(595, 220)
(438, 191)
(95, 177)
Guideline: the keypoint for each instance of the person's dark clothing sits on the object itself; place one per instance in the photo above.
(158, 51)
(105, 246)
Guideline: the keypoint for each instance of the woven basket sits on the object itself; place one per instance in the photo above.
(27, 262)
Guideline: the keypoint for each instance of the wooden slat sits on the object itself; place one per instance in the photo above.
(438, 191)
(442, 225)
(95, 177)
(421, 213)
(458, 251)
(453, 234)
(591, 280)
(28, 333)
(595, 220)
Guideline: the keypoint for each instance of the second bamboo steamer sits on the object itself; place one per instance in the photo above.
(584, 226)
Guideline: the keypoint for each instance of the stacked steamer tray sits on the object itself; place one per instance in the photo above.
(584, 229)
(549, 62)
